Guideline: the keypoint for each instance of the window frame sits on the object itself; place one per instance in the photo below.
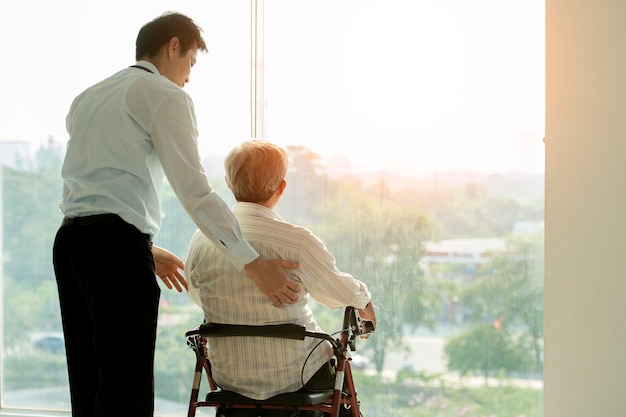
(257, 129)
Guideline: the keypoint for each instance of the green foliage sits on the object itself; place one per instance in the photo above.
(174, 360)
(380, 242)
(487, 349)
(31, 217)
(308, 188)
(174, 363)
(34, 370)
(424, 378)
(485, 208)
(376, 229)
(510, 288)
(28, 308)
(176, 225)
(403, 399)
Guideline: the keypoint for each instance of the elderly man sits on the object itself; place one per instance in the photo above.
(262, 367)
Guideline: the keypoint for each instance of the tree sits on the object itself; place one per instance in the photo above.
(488, 349)
(31, 217)
(381, 242)
(308, 188)
(510, 292)
(376, 234)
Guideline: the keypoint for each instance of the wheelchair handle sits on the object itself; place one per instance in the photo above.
(352, 325)
(284, 331)
(353, 321)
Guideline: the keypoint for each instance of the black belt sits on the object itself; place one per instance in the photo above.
(107, 218)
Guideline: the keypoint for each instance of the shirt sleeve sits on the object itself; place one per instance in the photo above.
(174, 135)
(325, 282)
(191, 265)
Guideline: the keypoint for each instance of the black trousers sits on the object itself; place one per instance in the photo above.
(109, 301)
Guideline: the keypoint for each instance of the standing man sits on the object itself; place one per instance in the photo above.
(127, 133)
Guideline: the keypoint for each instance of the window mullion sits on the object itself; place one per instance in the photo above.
(257, 63)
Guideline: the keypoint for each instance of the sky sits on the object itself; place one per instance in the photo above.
(414, 85)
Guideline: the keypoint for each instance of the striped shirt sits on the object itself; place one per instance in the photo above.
(262, 367)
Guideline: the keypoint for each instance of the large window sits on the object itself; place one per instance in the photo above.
(415, 131)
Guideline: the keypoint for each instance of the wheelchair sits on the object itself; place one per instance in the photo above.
(342, 398)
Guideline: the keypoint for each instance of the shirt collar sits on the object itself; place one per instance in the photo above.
(253, 209)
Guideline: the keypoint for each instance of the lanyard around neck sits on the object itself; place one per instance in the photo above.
(143, 68)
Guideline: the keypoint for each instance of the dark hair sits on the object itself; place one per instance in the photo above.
(153, 35)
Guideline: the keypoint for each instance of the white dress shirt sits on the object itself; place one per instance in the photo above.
(126, 133)
(262, 367)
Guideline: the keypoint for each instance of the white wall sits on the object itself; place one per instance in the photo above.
(585, 323)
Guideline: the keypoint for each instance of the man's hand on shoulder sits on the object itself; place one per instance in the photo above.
(270, 277)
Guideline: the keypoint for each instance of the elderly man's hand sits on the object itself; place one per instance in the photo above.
(369, 314)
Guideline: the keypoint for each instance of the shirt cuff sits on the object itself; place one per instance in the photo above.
(241, 254)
